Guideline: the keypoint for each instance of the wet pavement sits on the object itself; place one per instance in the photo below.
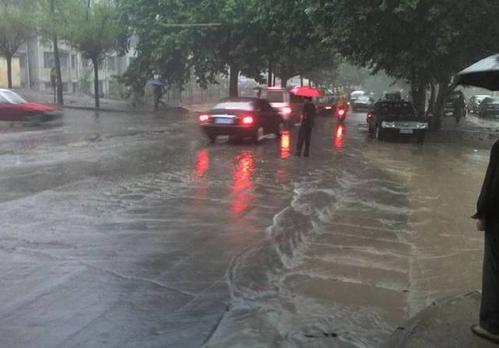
(130, 230)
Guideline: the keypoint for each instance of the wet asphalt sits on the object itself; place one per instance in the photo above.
(131, 230)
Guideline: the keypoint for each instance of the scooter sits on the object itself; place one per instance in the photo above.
(341, 114)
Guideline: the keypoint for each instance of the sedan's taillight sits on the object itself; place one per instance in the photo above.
(248, 120)
(204, 118)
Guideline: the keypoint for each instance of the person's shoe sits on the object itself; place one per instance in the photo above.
(481, 332)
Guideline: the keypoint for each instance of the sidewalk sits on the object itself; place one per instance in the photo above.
(85, 102)
(444, 324)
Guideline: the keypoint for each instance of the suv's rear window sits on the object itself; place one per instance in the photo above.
(275, 96)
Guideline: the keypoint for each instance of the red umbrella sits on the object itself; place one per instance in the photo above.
(307, 92)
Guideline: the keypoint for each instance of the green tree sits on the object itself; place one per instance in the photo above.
(96, 32)
(16, 27)
(421, 41)
(54, 18)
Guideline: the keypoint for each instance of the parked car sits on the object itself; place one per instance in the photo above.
(326, 106)
(241, 118)
(289, 106)
(489, 108)
(396, 118)
(362, 103)
(473, 105)
(15, 109)
(356, 94)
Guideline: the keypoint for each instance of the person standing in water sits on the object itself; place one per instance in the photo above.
(307, 124)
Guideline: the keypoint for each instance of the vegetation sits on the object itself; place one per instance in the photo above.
(17, 25)
(96, 32)
(421, 41)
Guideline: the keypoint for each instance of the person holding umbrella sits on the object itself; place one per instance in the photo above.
(307, 118)
(485, 74)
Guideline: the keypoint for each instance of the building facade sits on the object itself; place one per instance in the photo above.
(16, 73)
(36, 62)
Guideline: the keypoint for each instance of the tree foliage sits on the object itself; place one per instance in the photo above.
(96, 31)
(213, 37)
(16, 27)
(421, 41)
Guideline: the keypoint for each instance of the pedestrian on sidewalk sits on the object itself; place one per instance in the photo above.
(487, 216)
(306, 126)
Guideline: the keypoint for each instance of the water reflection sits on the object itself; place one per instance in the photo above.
(242, 187)
(202, 163)
(339, 137)
(285, 145)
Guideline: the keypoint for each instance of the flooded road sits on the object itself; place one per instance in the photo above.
(128, 230)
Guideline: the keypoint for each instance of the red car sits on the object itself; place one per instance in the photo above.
(13, 108)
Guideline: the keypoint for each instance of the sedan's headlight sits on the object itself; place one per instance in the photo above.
(422, 125)
(385, 124)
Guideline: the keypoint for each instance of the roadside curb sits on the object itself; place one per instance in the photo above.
(445, 323)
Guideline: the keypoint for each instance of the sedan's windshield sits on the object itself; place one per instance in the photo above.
(12, 97)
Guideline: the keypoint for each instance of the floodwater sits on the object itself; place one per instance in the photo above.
(130, 230)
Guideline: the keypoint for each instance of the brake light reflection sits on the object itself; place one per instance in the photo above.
(339, 138)
(242, 187)
(202, 163)
(285, 145)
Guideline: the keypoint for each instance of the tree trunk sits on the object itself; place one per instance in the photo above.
(95, 62)
(284, 81)
(418, 91)
(58, 74)
(269, 76)
(431, 102)
(9, 70)
(301, 80)
(233, 81)
(57, 60)
(443, 93)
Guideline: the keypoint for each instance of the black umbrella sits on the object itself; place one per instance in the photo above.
(484, 73)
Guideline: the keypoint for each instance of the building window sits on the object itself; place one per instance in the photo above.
(22, 60)
(75, 87)
(48, 60)
(73, 61)
(111, 63)
(64, 58)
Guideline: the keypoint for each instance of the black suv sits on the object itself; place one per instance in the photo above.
(396, 118)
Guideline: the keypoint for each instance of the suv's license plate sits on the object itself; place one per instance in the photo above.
(406, 131)
(224, 121)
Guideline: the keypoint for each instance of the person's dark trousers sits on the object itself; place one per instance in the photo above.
(489, 309)
(304, 137)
